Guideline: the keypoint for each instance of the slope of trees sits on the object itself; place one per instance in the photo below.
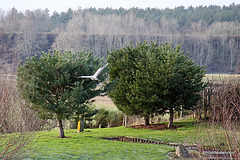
(184, 16)
(42, 21)
(209, 33)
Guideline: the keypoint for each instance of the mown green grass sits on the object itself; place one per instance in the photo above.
(83, 147)
(89, 145)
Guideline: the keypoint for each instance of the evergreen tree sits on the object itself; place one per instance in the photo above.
(181, 80)
(122, 64)
(154, 79)
(50, 83)
(131, 67)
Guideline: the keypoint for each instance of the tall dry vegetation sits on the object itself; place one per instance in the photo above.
(17, 123)
(224, 119)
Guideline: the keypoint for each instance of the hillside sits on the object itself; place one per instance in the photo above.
(209, 33)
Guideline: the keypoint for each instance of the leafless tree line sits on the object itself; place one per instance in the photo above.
(112, 31)
(26, 34)
(215, 46)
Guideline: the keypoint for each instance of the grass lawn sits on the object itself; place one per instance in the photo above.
(88, 145)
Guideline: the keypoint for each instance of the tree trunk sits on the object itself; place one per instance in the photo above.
(60, 127)
(125, 120)
(181, 112)
(146, 119)
(170, 123)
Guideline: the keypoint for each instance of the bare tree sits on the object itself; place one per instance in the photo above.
(103, 32)
(233, 47)
(16, 142)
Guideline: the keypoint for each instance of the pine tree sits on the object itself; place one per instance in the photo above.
(133, 91)
(50, 84)
(182, 80)
(153, 78)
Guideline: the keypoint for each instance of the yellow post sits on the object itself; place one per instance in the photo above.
(80, 127)
(79, 124)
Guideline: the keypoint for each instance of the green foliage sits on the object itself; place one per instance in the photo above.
(115, 118)
(101, 118)
(122, 64)
(90, 113)
(153, 78)
(108, 118)
(50, 83)
(182, 79)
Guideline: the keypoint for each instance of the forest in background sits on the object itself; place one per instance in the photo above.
(210, 34)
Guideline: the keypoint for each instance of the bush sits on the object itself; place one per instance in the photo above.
(226, 103)
(105, 118)
(223, 126)
(15, 119)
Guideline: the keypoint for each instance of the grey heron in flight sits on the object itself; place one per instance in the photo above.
(94, 77)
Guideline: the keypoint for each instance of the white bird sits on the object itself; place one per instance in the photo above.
(94, 77)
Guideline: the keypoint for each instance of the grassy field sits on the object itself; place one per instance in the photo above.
(221, 77)
(89, 145)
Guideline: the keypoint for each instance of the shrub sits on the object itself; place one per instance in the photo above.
(15, 120)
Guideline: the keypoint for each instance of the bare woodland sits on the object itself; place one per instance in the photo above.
(26, 34)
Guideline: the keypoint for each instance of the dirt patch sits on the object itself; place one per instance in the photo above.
(155, 127)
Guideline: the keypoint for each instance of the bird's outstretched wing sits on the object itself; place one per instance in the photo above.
(94, 77)
(85, 77)
(99, 70)
(91, 77)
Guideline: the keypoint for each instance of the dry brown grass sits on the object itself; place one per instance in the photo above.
(103, 100)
